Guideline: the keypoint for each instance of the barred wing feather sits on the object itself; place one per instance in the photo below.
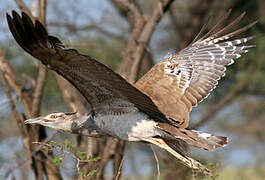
(189, 76)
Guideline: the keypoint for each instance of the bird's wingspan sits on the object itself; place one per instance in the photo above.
(97, 83)
(182, 80)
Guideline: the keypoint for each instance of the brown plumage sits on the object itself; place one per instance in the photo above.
(184, 79)
(96, 82)
(166, 93)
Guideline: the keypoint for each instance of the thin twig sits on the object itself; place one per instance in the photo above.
(157, 162)
(32, 154)
(119, 170)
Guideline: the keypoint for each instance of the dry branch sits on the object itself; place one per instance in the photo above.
(141, 34)
(20, 124)
(42, 75)
(130, 10)
(17, 84)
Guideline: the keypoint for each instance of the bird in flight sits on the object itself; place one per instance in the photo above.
(156, 108)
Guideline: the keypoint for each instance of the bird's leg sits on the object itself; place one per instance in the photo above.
(186, 160)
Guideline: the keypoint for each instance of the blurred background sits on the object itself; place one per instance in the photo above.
(102, 30)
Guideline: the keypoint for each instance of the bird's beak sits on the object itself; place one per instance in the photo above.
(34, 120)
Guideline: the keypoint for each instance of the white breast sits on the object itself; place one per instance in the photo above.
(129, 126)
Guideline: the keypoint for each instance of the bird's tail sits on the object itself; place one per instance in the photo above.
(173, 137)
(191, 163)
(194, 138)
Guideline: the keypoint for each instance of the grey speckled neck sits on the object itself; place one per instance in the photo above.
(85, 125)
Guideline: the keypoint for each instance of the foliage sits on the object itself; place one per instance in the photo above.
(66, 149)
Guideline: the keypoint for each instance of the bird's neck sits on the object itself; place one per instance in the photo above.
(84, 125)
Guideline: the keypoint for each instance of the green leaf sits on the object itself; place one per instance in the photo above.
(90, 174)
(69, 146)
(45, 148)
(52, 143)
(94, 159)
(81, 155)
(58, 161)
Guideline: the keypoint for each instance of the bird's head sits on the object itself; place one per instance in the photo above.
(60, 121)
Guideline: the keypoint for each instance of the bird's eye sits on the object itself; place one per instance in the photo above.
(53, 116)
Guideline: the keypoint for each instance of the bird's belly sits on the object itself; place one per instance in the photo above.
(131, 126)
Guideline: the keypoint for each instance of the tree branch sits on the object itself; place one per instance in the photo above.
(17, 84)
(24, 8)
(20, 124)
(73, 28)
(129, 10)
(32, 154)
(145, 36)
(37, 96)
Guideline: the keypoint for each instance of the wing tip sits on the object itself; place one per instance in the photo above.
(8, 16)
(29, 33)
(24, 14)
(22, 26)
(209, 37)
(9, 19)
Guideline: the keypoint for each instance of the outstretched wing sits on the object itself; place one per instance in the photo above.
(182, 80)
(101, 86)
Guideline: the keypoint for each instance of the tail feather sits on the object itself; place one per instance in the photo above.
(194, 138)
(213, 141)
(178, 145)
(218, 141)
(191, 163)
